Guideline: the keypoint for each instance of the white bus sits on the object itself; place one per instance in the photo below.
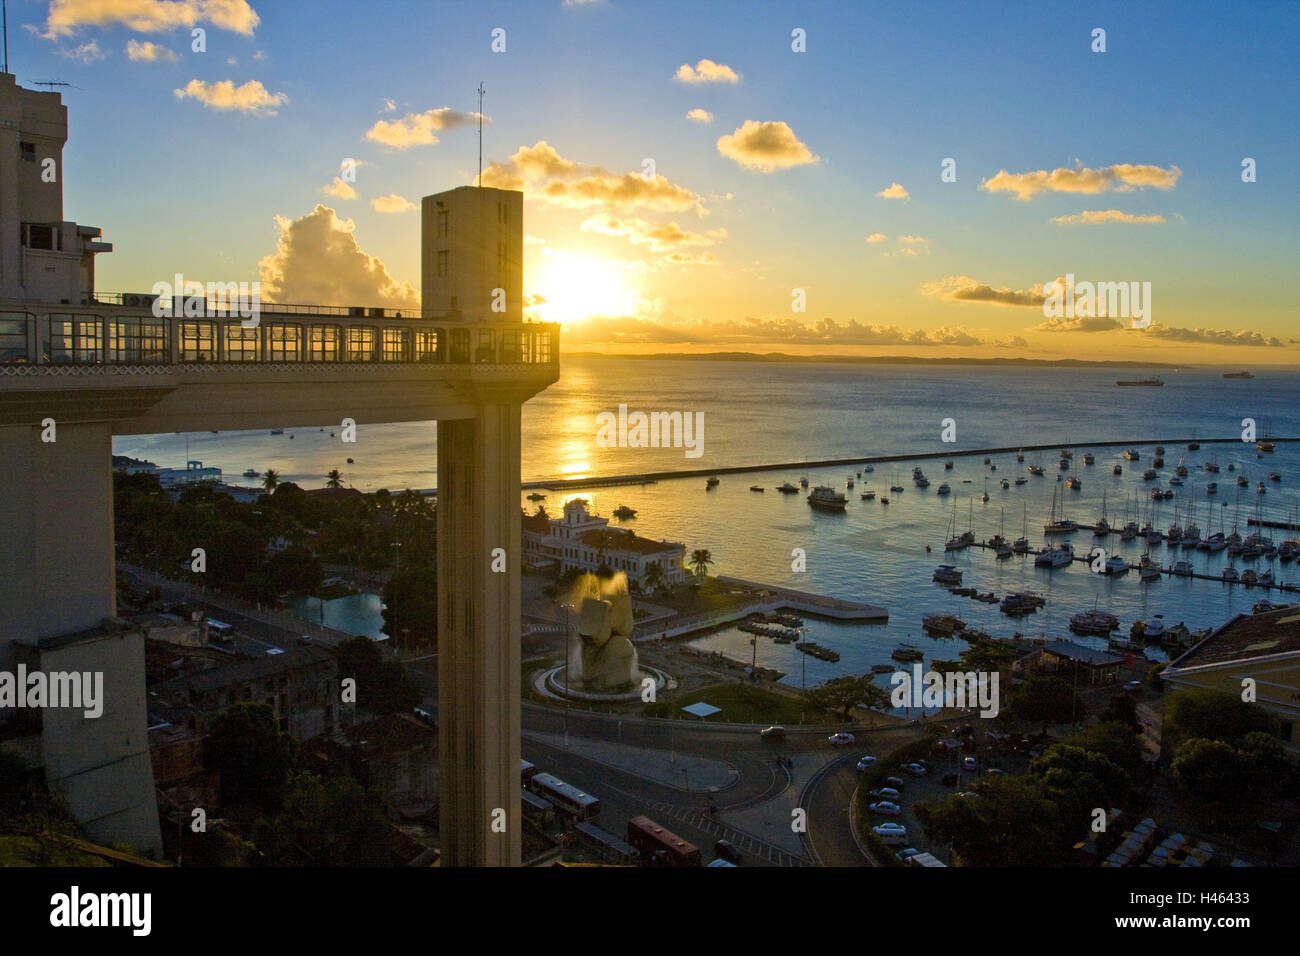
(566, 798)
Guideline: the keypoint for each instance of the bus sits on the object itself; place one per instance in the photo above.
(659, 846)
(604, 845)
(540, 811)
(219, 630)
(526, 771)
(567, 798)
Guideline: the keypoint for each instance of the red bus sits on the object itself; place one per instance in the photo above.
(659, 846)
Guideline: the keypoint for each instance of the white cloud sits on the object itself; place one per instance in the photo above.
(1092, 217)
(417, 129)
(893, 191)
(339, 189)
(698, 115)
(877, 237)
(66, 17)
(765, 146)
(392, 203)
(86, 53)
(1123, 177)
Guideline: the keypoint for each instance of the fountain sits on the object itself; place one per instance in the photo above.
(602, 662)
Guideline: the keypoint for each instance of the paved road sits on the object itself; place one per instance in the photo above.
(827, 798)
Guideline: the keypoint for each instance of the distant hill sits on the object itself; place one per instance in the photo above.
(873, 359)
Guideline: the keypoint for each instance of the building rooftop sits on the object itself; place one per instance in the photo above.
(249, 669)
(1078, 652)
(1247, 636)
(627, 541)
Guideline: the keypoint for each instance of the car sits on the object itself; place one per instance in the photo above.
(969, 764)
(423, 715)
(891, 834)
(866, 761)
(898, 783)
(1133, 685)
(995, 772)
(885, 793)
(902, 856)
(776, 730)
(968, 793)
(840, 740)
(304, 638)
(726, 850)
(885, 807)
(275, 650)
(915, 769)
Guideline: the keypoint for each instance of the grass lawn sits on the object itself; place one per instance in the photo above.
(741, 704)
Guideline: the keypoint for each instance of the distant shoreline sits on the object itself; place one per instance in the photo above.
(883, 360)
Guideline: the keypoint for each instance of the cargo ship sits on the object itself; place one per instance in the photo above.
(1154, 382)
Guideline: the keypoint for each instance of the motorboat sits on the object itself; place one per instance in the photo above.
(1183, 569)
(826, 498)
(1022, 480)
(1132, 454)
(943, 489)
(254, 473)
(947, 574)
(1098, 623)
(1089, 459)
(623, 511)
(1074, 483)
(1037, 470)
(1212, 488)
(1021, 603)
(868, 495)
(755, 487)
(922, 482)
(787, 489)
(711, 483)
(947, 465)
(1116, 565)
(1117, 470)
(944, 625)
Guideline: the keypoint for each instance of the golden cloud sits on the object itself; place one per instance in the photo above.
(706, 71)
(147, 52)
(417, 129)
(894, 191)
(698, 115)
(251, 98)
(765, 146)
(65, 17)
(877, 237)
(392, 203)
(1091, 217)
(966, 289)
(659, 236)
(1123, 177)
(339, 189)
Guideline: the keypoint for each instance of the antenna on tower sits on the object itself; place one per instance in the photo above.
(53, 83)
(480, 134)
(4, 19)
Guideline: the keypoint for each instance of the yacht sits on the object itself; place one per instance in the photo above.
(1229, 575)
(1183, 569)
(1212, 488)
(623, 511)
(1148, 570)
(947, 465)
(1063, 464)
(537, 496)
(1181, 470)
(711, 483)
(826, 498)
(1260, 489)
(1097, 623)
(1074, 483)
(922, 482)
(848, 483)
(254, 473)
(1057, 557)
(756, 488)
(1265, 446)
(1089, 459)
(1020, 457)
(787, 489)
(1117, 470)
(1116, 565)
(1058, 523)
(1212, 466)
(1004, 550)
(917, 473)
(1131, 454)
(1037, 470)
(868, 468)
(868, 495)
(803, 482)
(943, 489)
(1102, 527)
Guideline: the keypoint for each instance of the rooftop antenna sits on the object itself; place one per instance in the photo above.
(4, 24)
(53, 83)
(480, 134)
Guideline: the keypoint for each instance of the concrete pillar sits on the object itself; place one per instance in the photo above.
(58, 502)
(478, 636)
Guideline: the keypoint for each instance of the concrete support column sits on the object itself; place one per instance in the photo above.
(478, 636)
(57, 512)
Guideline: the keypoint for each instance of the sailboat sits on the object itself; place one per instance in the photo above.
(955, 541)
(1102, 527)
(1002, 549)
(1059, 524)
(1021, 544)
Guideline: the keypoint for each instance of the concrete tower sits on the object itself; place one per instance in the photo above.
(472, 244)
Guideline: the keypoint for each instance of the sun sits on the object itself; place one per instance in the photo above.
(576, 287)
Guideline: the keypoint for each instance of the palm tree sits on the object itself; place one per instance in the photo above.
(701, 558)
(604, 541)
(270, 480)
(541, 512)
(654, 576)
(334, 479)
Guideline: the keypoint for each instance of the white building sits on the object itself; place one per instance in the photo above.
(577, 540)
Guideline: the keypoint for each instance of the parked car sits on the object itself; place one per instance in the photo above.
(1133, 685)
(996, 772)
(902, 856)
(885, 793)
(304, 638)
(898, 783)
(885, 807)
(776, 730)
(866, 761)
(840, 740)
(970, 764)
(915, 769)
(726, 850)
(891, 834)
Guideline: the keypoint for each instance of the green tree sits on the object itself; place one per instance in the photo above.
(411, 604)
(1011, 823)
(251, 753)
(383, 686)
(1208, 770)
(1121, 709)
(295, 569)
(1212, 715)
(654, 577)
(334, 479)
(327, 823)
(1045, 700)
(1116, 742)
(701, 558)
(842, 694)
(270, 479)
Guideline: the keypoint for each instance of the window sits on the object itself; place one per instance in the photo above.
(28, 152)
(74, 339)
(426, 345)
(442, 224)
(243, 345)
(501, 258)
(460, 346)
(510, 347)
(486, 351)
(503, 213)
(133, 338)
(397, 345)
(361, 344)
(198, 342)
(324, 343)
(40, 236)
(284, 342)
(442, 263)
(14, 332)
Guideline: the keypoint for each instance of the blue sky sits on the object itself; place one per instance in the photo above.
(880, 97)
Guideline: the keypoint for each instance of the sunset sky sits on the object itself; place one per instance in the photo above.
(772, 169)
